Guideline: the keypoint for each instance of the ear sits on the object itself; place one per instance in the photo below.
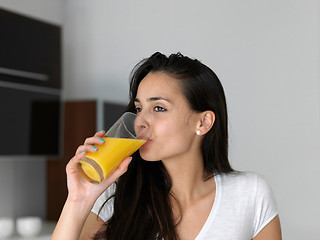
(207, 119)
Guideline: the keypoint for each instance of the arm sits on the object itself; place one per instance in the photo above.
(82, 194)
(91, 226)
(71, 221)
(272, 231)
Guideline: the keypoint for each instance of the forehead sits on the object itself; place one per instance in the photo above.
(159, 84)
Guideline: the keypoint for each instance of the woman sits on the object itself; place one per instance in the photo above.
(180, 184)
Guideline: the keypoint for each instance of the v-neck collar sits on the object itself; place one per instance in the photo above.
(213, 210)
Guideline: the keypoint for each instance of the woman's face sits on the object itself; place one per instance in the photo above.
(170, 122)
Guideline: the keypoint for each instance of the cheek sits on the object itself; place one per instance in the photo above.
(170, 130)
(176, 131)
(170, 138)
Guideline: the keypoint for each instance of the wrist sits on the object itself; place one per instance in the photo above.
(80, 205)
(76, 212)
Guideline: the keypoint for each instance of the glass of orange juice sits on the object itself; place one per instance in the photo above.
(121, 141)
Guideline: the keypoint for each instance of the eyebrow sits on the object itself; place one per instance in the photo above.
(153, 99)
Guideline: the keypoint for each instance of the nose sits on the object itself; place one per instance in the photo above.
(140, 123)
(141, 126)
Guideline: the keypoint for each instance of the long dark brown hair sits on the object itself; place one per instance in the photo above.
(142, 208)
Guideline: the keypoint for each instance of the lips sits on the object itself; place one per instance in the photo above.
(148, 140)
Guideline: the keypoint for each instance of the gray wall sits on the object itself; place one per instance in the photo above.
(266, 54)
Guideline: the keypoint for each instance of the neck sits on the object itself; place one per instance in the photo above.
(187, 175)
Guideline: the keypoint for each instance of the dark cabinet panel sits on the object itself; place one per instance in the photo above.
(30, 122)
(111, 113)
(30, 51)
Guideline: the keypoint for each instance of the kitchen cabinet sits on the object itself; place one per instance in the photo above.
(30, 51)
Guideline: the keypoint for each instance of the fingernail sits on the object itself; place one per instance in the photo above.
(130, 160)
(94, 148)
(101, 140)
(83, 151)
(101, 131)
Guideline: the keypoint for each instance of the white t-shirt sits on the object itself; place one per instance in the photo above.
(243, 206)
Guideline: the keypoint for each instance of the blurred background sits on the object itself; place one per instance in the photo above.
(266, 54)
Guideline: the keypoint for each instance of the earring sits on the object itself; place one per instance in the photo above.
(198, 132)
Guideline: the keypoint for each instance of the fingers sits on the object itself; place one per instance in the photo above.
(89, 143)
(72, 165)
(97, 135)
(92, 144)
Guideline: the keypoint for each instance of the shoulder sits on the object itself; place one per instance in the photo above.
(241, 179)
(247, 185)
(251, 181)
(250, 196)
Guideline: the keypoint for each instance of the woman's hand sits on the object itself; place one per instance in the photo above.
(80, 189)
(81, 193)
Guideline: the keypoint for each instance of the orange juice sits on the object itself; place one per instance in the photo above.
(100, 164)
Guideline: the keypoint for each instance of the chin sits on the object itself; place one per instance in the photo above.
(148, 158)
(147, 155)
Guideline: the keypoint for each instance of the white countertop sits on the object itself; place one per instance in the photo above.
(47, 229)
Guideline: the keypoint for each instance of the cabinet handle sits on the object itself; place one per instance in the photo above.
(25, 74)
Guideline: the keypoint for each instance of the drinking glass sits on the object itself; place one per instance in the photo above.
(125, 137)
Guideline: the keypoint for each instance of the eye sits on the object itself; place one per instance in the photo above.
(159, 109)
(138, 109)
